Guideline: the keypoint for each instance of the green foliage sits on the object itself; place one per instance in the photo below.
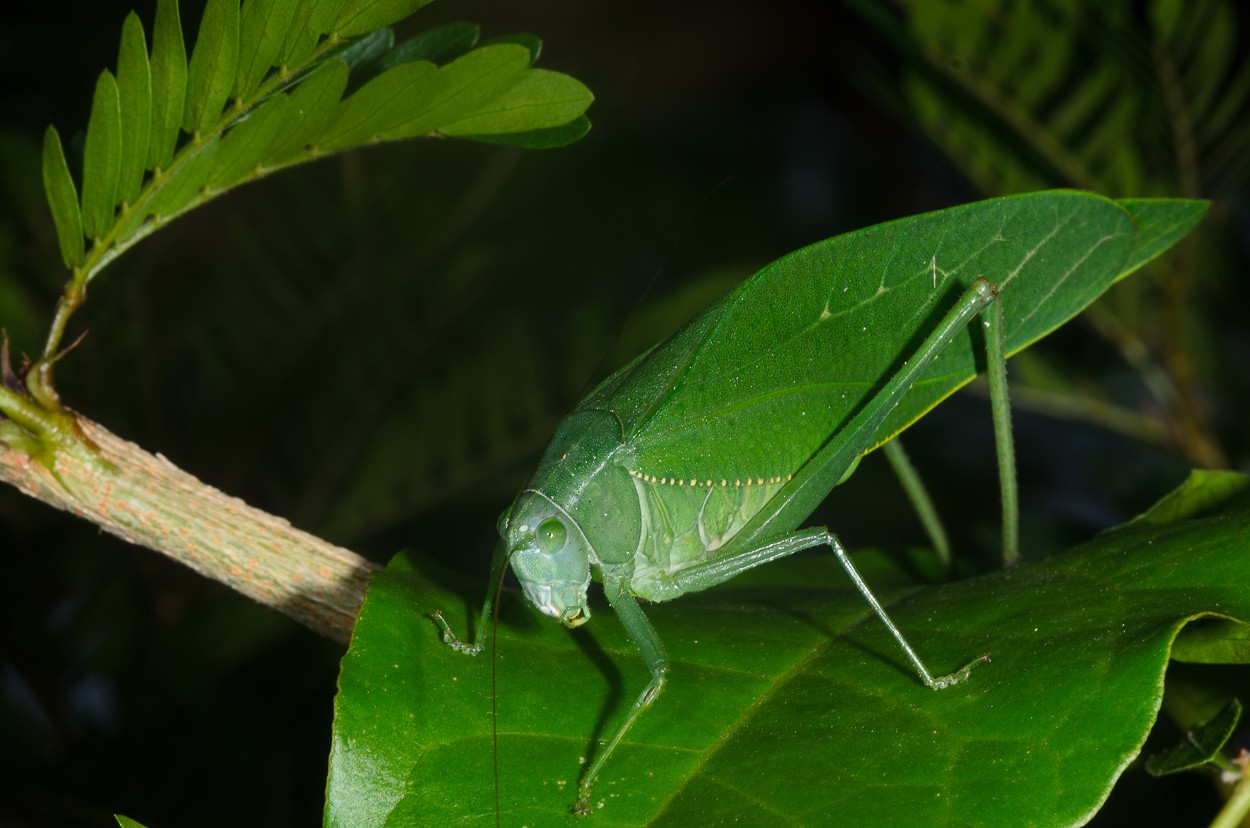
(380, 362)
(1201, 746)
(211, 73)
(62, 199)
(263, 28)
(1099, 96)
(1057, 251)
(169, 84)
(264, 90)
(102, 159)
(134, 85)
(1030, 95)
(790, 702)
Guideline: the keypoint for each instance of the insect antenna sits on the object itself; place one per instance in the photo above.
(655, 279)
(494, 690)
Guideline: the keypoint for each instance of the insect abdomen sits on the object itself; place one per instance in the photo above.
(686, 521)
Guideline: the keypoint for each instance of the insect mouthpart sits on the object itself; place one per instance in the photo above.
(562, 601)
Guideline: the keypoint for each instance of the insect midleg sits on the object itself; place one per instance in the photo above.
(921, 503)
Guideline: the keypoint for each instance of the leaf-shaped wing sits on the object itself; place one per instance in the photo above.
(766, 376)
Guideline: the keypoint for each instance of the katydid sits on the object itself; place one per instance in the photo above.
(701, 458)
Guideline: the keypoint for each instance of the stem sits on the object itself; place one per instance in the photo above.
(39, 380)
(1236, 807)
(146, 500)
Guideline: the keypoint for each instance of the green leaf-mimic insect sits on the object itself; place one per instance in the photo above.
(701, 458)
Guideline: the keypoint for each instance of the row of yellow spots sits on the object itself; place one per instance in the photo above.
(681, 481)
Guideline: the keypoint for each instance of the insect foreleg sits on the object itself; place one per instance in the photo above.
(498, 564)
(648, 642)
(714, 572)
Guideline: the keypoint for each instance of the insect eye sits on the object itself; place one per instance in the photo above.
(551, 536)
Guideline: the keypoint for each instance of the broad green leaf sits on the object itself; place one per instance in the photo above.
(1200, 746)
(1214, 642)
(313, 105)
(262, 30)
(248, 142)
(127, 822)
(169, 83)
(102, 154)
(384, 102)
(1159, 223)
(211, 74)
(359, 16)
(134, 88)
(435, 45)
(1193, 500)
(785, 705)
(58, 184)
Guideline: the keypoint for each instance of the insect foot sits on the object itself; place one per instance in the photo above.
(582, 806)
(450, 639)
(942, 682)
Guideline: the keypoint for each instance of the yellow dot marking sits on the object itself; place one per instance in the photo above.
(724, 482)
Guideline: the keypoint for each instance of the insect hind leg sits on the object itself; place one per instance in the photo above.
(717, 571)
(939, 683)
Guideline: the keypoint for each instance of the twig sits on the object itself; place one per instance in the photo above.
(147, 500)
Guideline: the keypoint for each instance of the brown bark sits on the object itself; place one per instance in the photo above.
(147, 500)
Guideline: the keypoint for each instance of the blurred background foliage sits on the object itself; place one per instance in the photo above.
(378, 345)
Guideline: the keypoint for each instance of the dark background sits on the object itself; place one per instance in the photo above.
(377, 346)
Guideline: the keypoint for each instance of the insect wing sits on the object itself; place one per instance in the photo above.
(750, 388)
